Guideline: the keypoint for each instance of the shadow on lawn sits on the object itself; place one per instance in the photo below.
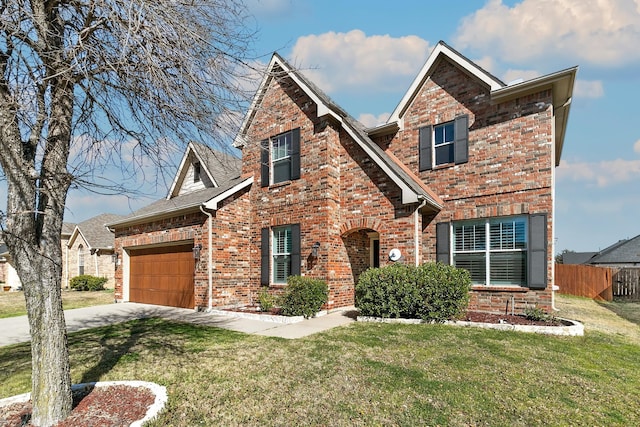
(114, 345)
(628, 310)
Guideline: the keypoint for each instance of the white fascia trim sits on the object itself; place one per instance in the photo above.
(322, 110)
(179, 172)
(461, 61)
(408, 195)
(239, 140)
(213, 203)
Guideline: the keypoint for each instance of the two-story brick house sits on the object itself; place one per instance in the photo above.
(462, 172)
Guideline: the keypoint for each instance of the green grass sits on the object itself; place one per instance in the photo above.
(365, 374)
(12, 303)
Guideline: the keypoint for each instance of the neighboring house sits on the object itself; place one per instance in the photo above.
(462, 173)
(622, 254)
(9, 275)
(90, 250)
(67, 230)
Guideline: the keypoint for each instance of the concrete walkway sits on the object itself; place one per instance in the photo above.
(16, 329)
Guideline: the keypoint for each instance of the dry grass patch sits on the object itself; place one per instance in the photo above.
(621, 319)
(13, 304)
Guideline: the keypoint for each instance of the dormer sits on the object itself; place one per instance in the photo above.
(202, 167)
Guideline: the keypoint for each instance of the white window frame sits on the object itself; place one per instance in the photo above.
(278, 143)
(486, 249)
(279, 254)
(81, 260)
(446, 143)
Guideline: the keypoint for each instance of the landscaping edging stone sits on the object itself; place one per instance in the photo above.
(264, 317)
(571, 327)
(160, 393)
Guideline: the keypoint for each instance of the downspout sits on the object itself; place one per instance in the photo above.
(210, 255)
(416, 237)
(95, 262)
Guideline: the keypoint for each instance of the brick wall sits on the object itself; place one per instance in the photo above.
(341, 195)
(509, 170)
(95, 264)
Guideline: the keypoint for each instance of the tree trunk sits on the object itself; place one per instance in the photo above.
(51, 377)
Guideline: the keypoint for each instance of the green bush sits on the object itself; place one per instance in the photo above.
(266, 300)
(87, 282)
(432, 292)
(303, 296)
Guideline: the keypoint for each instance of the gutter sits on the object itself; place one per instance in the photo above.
(416, 241)
(210, 256)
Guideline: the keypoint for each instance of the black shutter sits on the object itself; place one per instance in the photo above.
(265, 267)
(264, 163)
(424, 147)
(461, 141)
(295, 154)
(295, 250)
(537, 256)
(442, 242)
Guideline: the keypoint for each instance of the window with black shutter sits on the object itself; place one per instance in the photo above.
(444, 144)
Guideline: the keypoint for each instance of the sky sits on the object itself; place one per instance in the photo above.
(365, 53)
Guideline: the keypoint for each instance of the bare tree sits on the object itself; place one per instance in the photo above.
(80, 80)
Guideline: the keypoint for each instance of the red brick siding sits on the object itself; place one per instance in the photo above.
(510, 163)
(340, 190)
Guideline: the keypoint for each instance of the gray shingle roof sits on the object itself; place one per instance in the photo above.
(577, 257)
(95, 232)
(221, 166)
(624, 251)
(183, 203)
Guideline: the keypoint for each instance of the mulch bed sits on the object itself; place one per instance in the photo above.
(510, 319)
(110, 406)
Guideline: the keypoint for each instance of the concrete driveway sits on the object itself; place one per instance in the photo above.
(15, 330)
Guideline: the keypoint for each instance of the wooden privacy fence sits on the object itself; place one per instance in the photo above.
(585, 281)
(626, 284)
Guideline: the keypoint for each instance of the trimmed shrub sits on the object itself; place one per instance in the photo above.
(87, 282)
(303, 296)
(432, 292)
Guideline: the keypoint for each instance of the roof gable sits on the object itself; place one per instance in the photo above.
(560, 83)
(94, 232)
(412, 190)
(443, 50)
(624, 251)
(213, 168)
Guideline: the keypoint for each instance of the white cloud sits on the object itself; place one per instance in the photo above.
(370, 120)
(352, 61)
(594, 31)
(511, 75)
(636, 146)
(603, 174)
(588, 89)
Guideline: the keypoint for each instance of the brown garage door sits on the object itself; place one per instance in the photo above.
(162, 276)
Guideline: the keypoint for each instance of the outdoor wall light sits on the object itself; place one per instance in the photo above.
(196, 251)
(114, 258)
(314, 249)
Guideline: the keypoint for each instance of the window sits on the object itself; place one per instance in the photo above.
(444, 144)
(494, 251)
(80, 260)
(280, 254)
(196, 172)
(281, 158)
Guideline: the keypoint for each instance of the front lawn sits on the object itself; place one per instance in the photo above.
(12, 303)
(363, 374)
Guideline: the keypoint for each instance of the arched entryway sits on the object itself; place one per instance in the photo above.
(362, 245)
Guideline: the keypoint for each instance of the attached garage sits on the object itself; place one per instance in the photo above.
(162, 276)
